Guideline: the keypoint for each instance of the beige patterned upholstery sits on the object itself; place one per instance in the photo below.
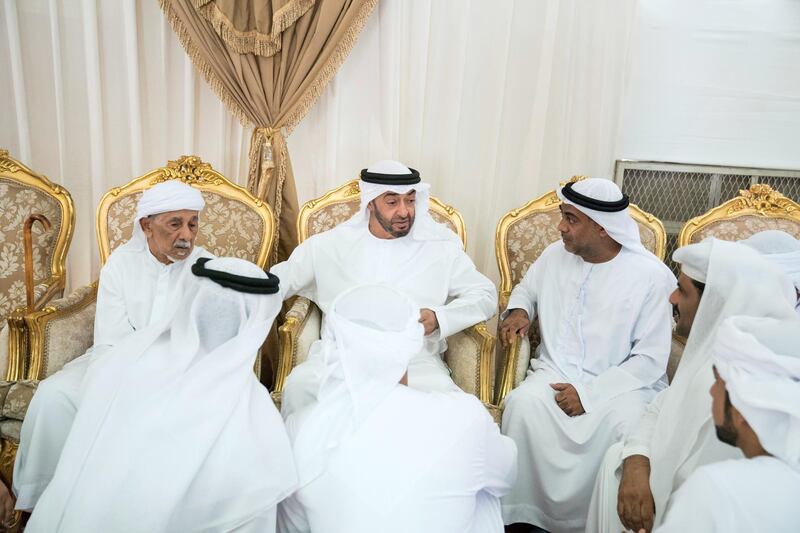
(522, 235)
(23, 193)
(756, 209)
(469, 355)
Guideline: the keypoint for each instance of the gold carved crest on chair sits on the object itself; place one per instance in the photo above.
(522, 235)
(470, 352)
(756, 209)
(24, 193)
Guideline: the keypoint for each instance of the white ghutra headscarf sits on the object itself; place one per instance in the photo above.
(759, 360)
(781, 249)
(171, 195)
(603, 201)
(174, 431)
(377, 332)
(391, 176)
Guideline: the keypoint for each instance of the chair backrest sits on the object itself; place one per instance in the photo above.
(336, 206)
(22, 193)
(233, 222)
(523, 234)
(756, 209)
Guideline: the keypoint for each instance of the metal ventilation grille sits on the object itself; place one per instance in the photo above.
(676, 192)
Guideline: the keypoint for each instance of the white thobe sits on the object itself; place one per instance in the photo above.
(437, 275)
(420, 462)
(743, 495)
(603, 516)
(606, 330)
(132, 293)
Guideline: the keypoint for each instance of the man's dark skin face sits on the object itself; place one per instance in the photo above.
(685, 300)
(584, 237)
(391, 215)
(171, 235)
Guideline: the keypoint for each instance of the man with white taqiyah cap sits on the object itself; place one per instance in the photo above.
(375, 455)
(755, 407)
(174, 432)
(782, 250)
(675, 434)
(601, 301)
(134, 291)
(393, 240)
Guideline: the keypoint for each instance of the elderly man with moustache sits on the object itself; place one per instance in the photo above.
(134, 291)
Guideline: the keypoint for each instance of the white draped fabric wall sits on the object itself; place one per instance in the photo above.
(493, 101)
(94, 93)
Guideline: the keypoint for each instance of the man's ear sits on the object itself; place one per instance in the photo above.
(371, 206)
(145, 224)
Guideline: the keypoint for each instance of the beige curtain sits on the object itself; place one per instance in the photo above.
(268, 61)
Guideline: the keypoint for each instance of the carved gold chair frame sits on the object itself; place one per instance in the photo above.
(759, 201)
(18, 335)
(302, 308)
(546, 203)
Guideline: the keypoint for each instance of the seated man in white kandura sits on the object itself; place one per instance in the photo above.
(391, 240)
(756, 407)
(133, 292)
(675, 434)
(783, 251)
(375, 455)
(174, 432)
(602, 304)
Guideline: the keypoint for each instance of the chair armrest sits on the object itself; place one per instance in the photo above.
(60, 332)
(470, 357)
(517, 358)
(300, 328)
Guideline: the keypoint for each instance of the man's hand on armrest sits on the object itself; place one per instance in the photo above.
(635, 504)
(516, 323)
(428, 319)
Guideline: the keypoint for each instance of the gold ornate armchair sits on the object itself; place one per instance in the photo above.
(470, 352)
(758, 208)
(233, 223)
(23, 193)
(522, 235)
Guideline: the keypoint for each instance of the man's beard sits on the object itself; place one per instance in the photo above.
(387, 224)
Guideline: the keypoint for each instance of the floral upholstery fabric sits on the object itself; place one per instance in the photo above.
(71, 332)
(462, 358)
(17, 202)
(742, 227)
(17, 398)
(329, 216)
(227, 227)
(527, 238)
(10, 429)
